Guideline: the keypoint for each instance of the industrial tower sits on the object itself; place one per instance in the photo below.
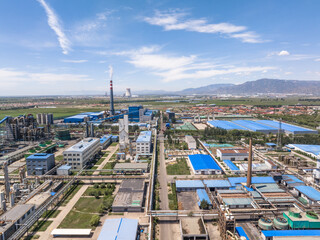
(111, 91)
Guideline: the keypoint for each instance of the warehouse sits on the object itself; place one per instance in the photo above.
(236, 181)
(233, 154)
(217, 184)
(188, 185)
(225, 125)
(288, 128)
(203, 164)
(130, 196)
(119, 228)
(312, 150)
(232, 166)
(290, 234)
(291, 181)
(237, 202)
(309, 193)
(132, 168)
(255, 126)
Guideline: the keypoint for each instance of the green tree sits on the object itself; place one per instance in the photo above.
(204, 204)
(94, 220)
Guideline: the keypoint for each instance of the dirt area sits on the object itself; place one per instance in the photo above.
(213, 231)
(200, 126)
(188, 200)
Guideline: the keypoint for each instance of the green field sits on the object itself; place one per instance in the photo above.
(59, 112)
(41, 226)
(179, 168)
(51, 214)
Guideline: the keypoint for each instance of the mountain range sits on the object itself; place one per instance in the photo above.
(260, 86)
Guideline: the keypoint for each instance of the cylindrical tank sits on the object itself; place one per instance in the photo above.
(265, 223)
(280, 223)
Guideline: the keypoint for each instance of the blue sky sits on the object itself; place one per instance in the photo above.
(66, 46)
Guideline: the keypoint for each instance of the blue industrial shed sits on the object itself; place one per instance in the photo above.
(185, 185)
(119, 229)
(268, 235)
(231, 165)
(234, 181)
(217, 184)
(204, 164)
(241, 232)
(309, 192)
(225, 125)
(202, 195)
(288, 128)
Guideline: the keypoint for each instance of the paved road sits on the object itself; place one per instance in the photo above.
(165, 228)
(64, 211)
(106, 159)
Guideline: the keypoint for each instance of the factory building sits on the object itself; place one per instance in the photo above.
(309, 193)
(119, 228)
(132, 168)
(64, 170)
(39, 163)
(290, 234)
(189, 185)
(171, 115)
(130, 196)
(79, 154)
(105, 141)
(193, 228)
(14, 218)
(44, 118)
(203, 164)
(192, 144)
(233, 154)
(143, 143)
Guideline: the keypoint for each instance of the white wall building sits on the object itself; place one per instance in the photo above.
(192, 144)
(80, 153)
(124, 132)
(143, 143)
(233, 154)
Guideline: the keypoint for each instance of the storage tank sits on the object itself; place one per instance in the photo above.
(280, 223)
(265, 223)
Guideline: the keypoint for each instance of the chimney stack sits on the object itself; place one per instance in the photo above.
(111, 92)
(249, 174)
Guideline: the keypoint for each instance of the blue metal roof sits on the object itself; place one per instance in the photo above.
(310, 192)
(231, 165)
(252, 125)
(234, 181)
(292, 233)
(217, 183)
(242, 233)
(105, 138)
(291, 179)
(202, 194)
(202, 161)
(40, 156)
(271, 144)
(189, 184)
(225, 125)
(119, 229)
(314, 149)
(287, 127)
(145, 136)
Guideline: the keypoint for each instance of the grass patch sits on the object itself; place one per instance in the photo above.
(41, 226)
(179, 168)
(109, 165)
(100, 161)
(114, 144)
(51, 214)
(106, 154)
(59, 158)
(88, 204)
(108, 189)
(76, 220)
(70, 194)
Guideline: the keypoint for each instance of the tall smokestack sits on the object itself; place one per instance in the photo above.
(111, 91)
(249, 175)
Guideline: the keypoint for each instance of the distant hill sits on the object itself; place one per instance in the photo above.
(263, 86)
(204, 90)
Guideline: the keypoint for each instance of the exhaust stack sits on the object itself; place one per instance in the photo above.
(111, 91)
(249, 174)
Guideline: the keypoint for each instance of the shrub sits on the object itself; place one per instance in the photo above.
(94, 220)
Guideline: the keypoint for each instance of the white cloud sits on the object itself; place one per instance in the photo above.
(55, 25)
(283, 53)
(175, 20)
(74, 61)
(172, 68)
(22, 77)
